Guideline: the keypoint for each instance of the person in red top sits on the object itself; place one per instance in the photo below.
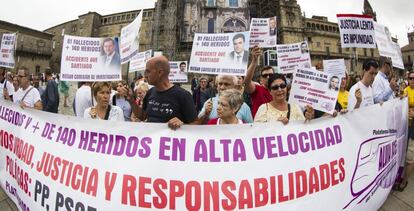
(259, 94)
(229, 103)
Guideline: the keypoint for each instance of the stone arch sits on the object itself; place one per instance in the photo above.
(234, 24)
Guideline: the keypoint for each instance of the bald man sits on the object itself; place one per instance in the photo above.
(165, 102)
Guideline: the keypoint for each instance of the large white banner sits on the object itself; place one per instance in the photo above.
(220, 54)
(263, 32)
(178, 72)
(129, 46)
(356, 31)
(90, 59)
(54, 162)
(8, 42)
(315, 88)
(139, 61)
(292, 56)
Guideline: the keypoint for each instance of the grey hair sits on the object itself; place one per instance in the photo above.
(234, 98)
(232, 77)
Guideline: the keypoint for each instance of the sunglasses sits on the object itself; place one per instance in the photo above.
(411, 78)
(276, 87)
(267, 75)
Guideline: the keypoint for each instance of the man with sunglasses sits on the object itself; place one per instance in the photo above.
(383, 88)
(26, 95)
(361, 93)
(257, 91)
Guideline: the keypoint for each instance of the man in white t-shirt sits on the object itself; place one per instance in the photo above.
(26, 95)
(361, 93)
(83, 99)
(6, 88)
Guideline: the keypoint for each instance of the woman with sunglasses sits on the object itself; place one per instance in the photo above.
(103, 110)
(279, 109)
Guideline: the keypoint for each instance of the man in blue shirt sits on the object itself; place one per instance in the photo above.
(383, 87)
(209, 110)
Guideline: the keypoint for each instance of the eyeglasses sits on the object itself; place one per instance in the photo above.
(411, 78)
(267, 75)
(276, 87)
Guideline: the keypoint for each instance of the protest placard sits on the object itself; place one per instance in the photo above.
(55, 162)
(129, 45)
(90, 59)
(8, 43)
(315, 88)
(383, 40)
(292, 56)
(263, 32)
(356, 31)
(178, 72)
(138, 62)
(225, 54)
(334, 67)
(397, 59)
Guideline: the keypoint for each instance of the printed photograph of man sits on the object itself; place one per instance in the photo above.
(304, 48)
(183, 67)
(239, 55)
(272, 26)
(334, 83)
(110, 54)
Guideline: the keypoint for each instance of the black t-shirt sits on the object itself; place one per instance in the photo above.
(161, 106)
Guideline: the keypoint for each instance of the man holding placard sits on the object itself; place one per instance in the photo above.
(384, 89)
(361, 94)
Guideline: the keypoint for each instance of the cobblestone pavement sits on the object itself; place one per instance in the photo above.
(397, 201)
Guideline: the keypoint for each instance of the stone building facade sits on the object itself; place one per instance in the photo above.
(408, 52)
(33, 48)
(93, 24)
(175, 23)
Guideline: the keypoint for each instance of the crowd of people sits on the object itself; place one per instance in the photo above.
(223, 99)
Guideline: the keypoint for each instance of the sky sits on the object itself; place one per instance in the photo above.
(398, 15)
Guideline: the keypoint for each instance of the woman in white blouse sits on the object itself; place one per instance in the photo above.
(103, 110)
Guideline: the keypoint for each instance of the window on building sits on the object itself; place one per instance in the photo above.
(328, 52)
(105, 21)
(128, 16)
(150, 14)
(318, 44)
(63, 31)
(118, 18)
(37, 69)
(365, 52)
(318, 27)
(309, 39)
(164, 5)
(233, 3)
(210, 26)
(372, 52)
(123, 17)
(308, 25)
(144, 15)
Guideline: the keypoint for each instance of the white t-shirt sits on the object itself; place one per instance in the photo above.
(83, 100)
(9, 86)
(367, 96)
(115, 114)
(31, 98)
